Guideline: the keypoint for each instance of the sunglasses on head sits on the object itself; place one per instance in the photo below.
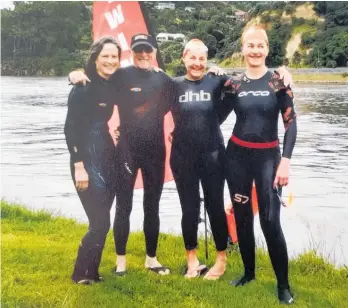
(143, 48)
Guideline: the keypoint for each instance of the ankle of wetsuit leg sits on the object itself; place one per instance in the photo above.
(151, 261)
(121, 263)
(191, 253)
(86, 280)
(250, 274)
(120, 259)
(242, 281)
(285, 296)
(221, 256)
(191, 256)
(248, 277)
(282, 286)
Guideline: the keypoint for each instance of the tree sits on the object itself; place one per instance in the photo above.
(296, 59)
(36, 31)
(331, 64)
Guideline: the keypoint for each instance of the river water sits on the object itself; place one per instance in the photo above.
(35, 164)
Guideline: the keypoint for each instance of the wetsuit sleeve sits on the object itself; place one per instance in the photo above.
(229, 87)
(223, 80)
(116, 82)
(286, 101)
(170, 94)
(74, 123)
(227, 106)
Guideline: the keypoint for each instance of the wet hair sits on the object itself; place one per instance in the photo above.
(97, 47)
(254, 28)
(194, 44)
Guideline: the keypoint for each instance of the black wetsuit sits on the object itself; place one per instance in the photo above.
(253, 154)
(88, 139)
(143, 99)
(197, 155)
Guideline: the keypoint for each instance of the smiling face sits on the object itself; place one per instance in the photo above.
(195, 59)
(108, 61)
(143, 56)
(255, 47)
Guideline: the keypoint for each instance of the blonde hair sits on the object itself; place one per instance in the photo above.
(254, 28)
(195, 44)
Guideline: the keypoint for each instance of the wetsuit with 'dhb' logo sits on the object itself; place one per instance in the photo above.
(143, 98)
(253, 154)
(197, 155)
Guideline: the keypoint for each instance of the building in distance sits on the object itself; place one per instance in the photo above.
(177, 37)
(165, 5)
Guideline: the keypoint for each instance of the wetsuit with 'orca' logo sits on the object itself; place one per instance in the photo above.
(143, 98)
(197, 156)
(253, 154)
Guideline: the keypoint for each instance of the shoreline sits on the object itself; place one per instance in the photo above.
(293, 255)
(320, 82)
(309, 76)
(299, 75)
(48, 245)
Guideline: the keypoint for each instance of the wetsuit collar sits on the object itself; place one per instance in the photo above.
(99, 78)
(195, 81)
(245, 74)
(142, 69)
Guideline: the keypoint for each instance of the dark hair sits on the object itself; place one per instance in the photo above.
(96, 49)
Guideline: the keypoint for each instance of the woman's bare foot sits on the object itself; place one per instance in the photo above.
(152, 264)
(194, 268)
(219, 267)
(120, 265)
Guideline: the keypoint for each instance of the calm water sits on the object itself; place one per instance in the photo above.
(35, 163)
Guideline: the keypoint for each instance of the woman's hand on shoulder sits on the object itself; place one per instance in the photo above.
(216, 71)
(285, 75)
(156, 69)
(76, 77)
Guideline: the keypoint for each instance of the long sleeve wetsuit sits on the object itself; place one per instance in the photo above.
(197, 155)
(253, 154)
(89, 141)
(143, 99)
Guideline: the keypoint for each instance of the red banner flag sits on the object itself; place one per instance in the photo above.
(122, 20)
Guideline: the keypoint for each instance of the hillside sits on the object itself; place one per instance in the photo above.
(302, 34)
(52, 37)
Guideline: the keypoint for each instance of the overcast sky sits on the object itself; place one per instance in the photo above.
(6, 4)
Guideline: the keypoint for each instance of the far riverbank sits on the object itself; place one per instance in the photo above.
(309, 75)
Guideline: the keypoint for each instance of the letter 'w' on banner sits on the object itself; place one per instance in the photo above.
(122, 20)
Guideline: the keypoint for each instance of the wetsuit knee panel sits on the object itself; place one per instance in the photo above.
(99, 228)
(122, 210)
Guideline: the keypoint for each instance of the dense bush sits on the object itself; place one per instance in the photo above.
(52, 37)
(44, 37)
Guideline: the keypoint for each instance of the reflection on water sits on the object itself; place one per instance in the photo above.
(35, 163)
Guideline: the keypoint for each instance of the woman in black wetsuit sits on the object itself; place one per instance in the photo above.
(257, 97)
(92, 152)
(197, 156)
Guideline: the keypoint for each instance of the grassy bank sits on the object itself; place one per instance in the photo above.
(232, 64)
(320, 78)
(38, 252)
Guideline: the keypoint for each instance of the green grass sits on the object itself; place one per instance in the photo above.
(231, 62)
(320, 78)
(303, 29)
(38, 252)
